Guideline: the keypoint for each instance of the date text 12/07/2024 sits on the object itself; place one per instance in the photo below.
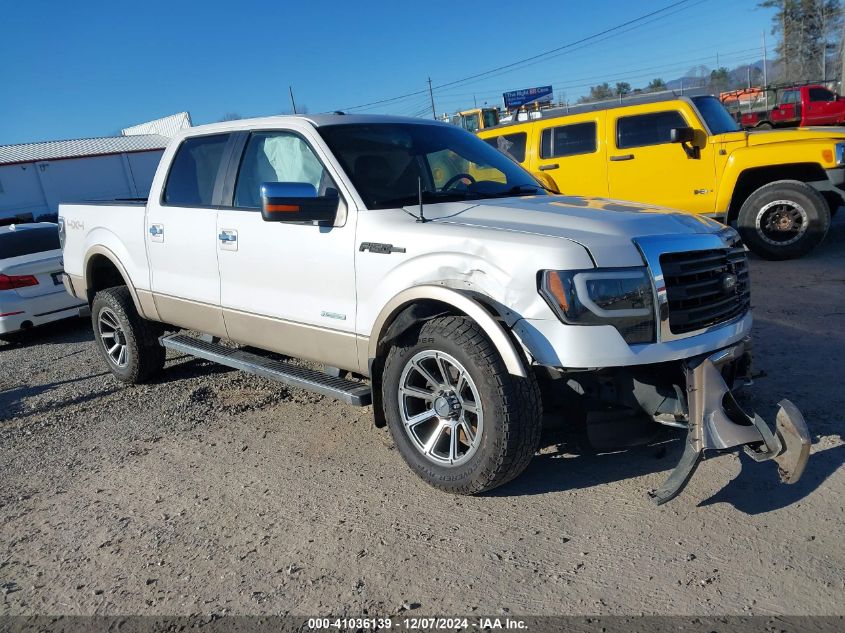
(417, 623)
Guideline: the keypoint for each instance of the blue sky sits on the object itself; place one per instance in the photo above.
(78, 69)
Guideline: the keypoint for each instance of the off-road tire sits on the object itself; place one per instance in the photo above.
(144, 354)
(794, 192)
(512, 407)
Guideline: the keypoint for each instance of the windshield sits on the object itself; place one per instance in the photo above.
(389, 162)
(471, 122)
(717, 118)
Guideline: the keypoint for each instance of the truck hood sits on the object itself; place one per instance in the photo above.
(604, 227)
(766, 137)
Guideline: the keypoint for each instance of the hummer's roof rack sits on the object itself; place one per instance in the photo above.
(616, 102)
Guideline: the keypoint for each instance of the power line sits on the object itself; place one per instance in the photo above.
(527, 59)
(587, 45)
(679, 63)
(630, 73)
(382, 101)
(585, 42)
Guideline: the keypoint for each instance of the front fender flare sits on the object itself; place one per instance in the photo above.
(460, 301)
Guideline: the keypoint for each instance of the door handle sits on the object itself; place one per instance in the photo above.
(622, 157)
(228, 239)
(548, 167)
(156, 232)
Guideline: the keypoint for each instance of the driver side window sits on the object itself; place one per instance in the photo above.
(277, 157)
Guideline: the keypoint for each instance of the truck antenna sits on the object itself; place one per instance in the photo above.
(420, 217)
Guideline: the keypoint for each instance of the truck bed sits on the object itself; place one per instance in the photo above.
(116, 226)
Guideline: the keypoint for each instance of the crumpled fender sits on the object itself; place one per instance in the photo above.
(461, 301)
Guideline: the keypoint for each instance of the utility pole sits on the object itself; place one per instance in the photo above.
(824, 43)
(292, 102)
(765, 72)
(431, 94)
(785, 53)
(474, 101)
(749, 76)
(842, 60)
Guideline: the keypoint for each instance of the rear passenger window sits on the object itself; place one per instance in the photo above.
(647, 129)
(512, 145)
(568, 140)
(820, 94)
(193, 172)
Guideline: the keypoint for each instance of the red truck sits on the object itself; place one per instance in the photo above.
(798, 106)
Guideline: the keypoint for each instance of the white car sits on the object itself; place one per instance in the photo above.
(413, 254)
(31, 290)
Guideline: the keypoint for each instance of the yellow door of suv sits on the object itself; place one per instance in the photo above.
(573, 154)
(644, 166)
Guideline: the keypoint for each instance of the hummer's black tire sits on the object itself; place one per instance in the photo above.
(791, 198)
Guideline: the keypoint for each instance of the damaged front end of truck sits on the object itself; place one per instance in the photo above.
(696, 395)
(694, 304)
(716, 422)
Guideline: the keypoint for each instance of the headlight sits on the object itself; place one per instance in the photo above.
(840, 153)
(621, 297)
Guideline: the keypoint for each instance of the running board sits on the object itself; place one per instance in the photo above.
(354, 393)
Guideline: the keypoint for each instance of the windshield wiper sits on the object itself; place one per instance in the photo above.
(526, 189)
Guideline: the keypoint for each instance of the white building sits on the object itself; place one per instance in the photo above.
(167, 126)
(36, 177)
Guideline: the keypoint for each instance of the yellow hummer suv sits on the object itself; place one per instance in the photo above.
(779, 187)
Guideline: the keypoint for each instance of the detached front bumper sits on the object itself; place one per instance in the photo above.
(716, 422)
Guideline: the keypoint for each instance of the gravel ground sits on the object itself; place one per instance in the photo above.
(211, 491)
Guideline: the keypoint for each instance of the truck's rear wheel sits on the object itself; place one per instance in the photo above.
(763, 126)
(126, 341)
(783, 220)
(459, 419)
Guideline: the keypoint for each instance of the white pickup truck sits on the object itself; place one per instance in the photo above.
(433, 278)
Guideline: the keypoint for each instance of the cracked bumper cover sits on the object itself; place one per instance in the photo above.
(717, 422)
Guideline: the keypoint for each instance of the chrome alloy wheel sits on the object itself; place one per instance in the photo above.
(112, 337)
(782, 222)
(440, 408)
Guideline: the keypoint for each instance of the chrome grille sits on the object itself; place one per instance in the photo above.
(699, 289)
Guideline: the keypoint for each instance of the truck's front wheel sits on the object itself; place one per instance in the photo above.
(783, 220)
(126, 341)
(459, 419)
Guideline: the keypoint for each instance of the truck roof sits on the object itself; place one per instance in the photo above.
(317, 120)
